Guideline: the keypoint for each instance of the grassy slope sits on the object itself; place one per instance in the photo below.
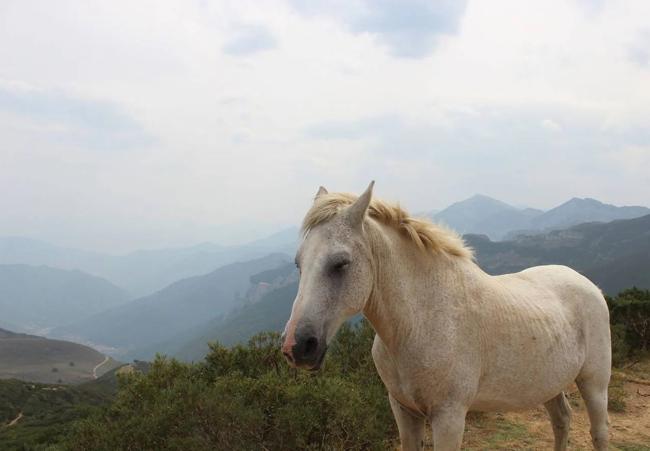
(32, 358)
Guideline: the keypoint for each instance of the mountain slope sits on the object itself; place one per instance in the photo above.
(578, 211)
(33, 298)
(269, 314)
(614, 255)
(38, 359)
(162, 315)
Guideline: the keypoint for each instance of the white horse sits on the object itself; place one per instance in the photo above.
(450, 338)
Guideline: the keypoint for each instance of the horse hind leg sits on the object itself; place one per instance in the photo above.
(560, 412)
(594, 393)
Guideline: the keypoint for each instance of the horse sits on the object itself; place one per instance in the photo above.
(449, 337)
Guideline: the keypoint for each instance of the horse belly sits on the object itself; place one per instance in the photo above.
(524, 378)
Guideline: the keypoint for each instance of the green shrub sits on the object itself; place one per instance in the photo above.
(620, 346)
(247, 398)
(630, 320)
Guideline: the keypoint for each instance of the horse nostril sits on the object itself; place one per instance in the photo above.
(288, 356)
(311, 345)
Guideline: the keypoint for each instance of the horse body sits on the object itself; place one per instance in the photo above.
(451, 338)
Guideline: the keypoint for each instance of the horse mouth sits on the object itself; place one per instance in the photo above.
(320, 360)
(311, 366)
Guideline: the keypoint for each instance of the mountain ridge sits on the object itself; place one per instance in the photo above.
(40, 297)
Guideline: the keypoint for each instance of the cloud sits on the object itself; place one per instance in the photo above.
(551, 125)
(493, 148)
(370, 127)
(248, 40)
(243, 134)
(639, 52)
(408, 29)
(66, 118)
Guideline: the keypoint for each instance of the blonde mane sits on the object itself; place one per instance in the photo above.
(422, 232)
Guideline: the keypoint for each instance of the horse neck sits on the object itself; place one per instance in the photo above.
(413, 287)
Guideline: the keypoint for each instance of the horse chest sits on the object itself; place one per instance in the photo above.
(415, 385)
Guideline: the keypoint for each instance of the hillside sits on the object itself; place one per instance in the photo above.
(37, 298)
(243, 321)
(164, 314)
(145, 271)
(615, 255)
(38, 359)
(35, 415)
(269, 314)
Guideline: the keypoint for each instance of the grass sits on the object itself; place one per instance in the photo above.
(496, 432)
(631, 447)
(617, 395)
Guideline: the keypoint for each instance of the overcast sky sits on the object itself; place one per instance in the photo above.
(128, 124)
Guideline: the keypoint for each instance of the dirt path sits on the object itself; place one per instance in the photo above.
(97, 367)
(15, 420)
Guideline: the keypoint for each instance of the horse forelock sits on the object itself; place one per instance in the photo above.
(422, 232)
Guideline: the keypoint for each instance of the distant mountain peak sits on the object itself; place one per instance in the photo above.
(579, 210)
(484, 198)
(583, 200)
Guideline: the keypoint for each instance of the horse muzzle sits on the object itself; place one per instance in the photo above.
(304, 350)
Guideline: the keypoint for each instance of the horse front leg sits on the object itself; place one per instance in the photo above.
(411, 428)
(448, 424)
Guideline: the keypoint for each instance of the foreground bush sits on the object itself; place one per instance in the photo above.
(630, 319)
(247, 398)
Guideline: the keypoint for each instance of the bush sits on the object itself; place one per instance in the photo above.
(246, 398)
(620, 346)
(630, 320)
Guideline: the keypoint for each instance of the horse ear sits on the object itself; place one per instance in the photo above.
(321, 191)
(357, 211)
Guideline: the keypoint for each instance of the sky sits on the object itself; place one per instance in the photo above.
(142, 124)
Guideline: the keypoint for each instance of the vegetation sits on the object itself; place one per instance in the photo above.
(630, 320)
(247, 397)
(44, 414)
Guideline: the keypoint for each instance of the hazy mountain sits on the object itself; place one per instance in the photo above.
(261, 310)
(270, 314)
(180, 306)
(35, 298)
(38, 359)
(485, 215)
(145, 271)
(615, 255)
(578, 211)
